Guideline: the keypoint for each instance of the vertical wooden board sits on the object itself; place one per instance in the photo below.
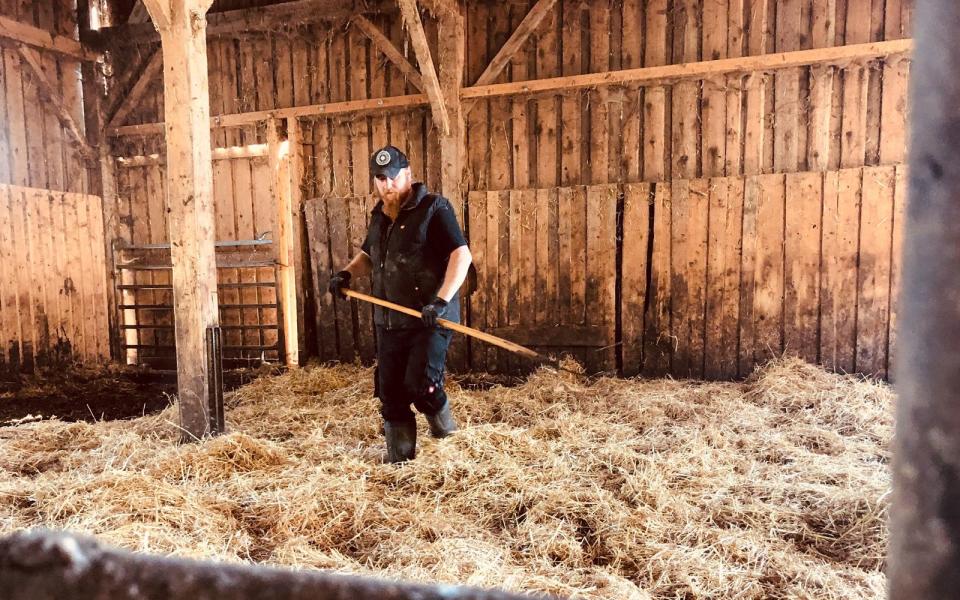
(548, 65)
(689, 237)
(477, 121)
(636, 238)
(893, 124)
(264, 69)
(504, 241)
(655, 134)
(599, 99)
(87, 269)
(39, 273)
(896, 262)
(493, 208)
(631, 58)
(337, 215)
(99, 290)
(378, 89)
(53, 136)
(578, 256)
(519, 126)
(802, 278)
(265, 219)
(658, 341)
(601, 271)
(10, 335)
(755, 114)
(768, 275)
(565, 257)
(528, 236)
(484, 263)
(61, 277)
(360, 126)
(541, 233)
(515, 257)
(225, 220)
(156, 206)
(786, 90)
(48, 230)
(417, 123)
(358, 231)
(246, 230)
(35, 116)
(16, 116)
(215, 75)
(24, 284)
(873, 270)
(748, 267)
(841, 213)
(283, 71)
(315, 211)
(5, 146)
(571, 109)
(685, 125)
(736, 44)
(723, 277)
(713, 106)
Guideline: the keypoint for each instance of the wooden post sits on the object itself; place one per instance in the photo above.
(453, 144)
(182, 25)
(286, 244)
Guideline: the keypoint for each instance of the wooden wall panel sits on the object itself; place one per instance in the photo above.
(53, 308)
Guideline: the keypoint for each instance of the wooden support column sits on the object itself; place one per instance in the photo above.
(286, 256)
(453, 143)
(182, 25)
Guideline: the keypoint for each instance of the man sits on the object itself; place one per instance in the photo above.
(417, 257)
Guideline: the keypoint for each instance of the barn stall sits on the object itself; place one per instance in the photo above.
(671, 194)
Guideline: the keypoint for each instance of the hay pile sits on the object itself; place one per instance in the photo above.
(773, 488)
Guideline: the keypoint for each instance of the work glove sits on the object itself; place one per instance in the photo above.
(433, 311)
(338, 283)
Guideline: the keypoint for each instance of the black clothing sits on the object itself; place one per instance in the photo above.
(410, 256)
(410, 370)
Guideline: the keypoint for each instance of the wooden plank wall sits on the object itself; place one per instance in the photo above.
(744, 269)
(35, 151)
(53, 295)
(805, 119)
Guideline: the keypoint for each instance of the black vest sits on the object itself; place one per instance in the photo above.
(407, 270)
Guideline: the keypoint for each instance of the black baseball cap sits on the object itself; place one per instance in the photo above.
(388, 161)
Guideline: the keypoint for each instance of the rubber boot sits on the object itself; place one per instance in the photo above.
(401, 440)
(442, 423)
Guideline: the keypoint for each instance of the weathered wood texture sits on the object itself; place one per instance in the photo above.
(746, 269)
(53, 290)
(36, 150)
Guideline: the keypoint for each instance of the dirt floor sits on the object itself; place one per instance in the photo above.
(93, 393)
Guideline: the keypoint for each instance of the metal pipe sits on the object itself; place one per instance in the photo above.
(924, 554)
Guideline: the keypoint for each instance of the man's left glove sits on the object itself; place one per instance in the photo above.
(433, 311)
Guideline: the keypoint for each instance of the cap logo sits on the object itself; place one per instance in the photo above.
(383, 158)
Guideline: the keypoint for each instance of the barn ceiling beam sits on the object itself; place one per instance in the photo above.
(15, 31)
(262, 18)
(132, 99)
(519, 37)
(30, 58)
(411, 20)
(646, 76)
(190, 218)
(386, 46)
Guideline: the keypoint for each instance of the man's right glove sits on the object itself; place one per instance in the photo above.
(338, 283)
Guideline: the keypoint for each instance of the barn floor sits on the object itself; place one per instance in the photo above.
(772, 488)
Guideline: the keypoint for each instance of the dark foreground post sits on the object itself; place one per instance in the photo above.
(924, 556)
(42, 565)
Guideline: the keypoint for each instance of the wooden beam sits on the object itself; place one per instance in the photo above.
(159, 11)
(284, 241)
(30, 58)
(646, 76)
(411, 18)
(190, 215)
(250, 118)
(263, 18)
(139, 13)
(441, 9)
(15, 31)
(516, 41)
(643, 77)
(453, 141)
(132, 99)
(392, 52)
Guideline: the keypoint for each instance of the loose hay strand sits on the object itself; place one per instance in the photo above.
(609, 488)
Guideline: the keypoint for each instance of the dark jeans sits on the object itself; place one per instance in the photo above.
(410, 366)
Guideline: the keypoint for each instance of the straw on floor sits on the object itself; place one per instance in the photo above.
(772, 488)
